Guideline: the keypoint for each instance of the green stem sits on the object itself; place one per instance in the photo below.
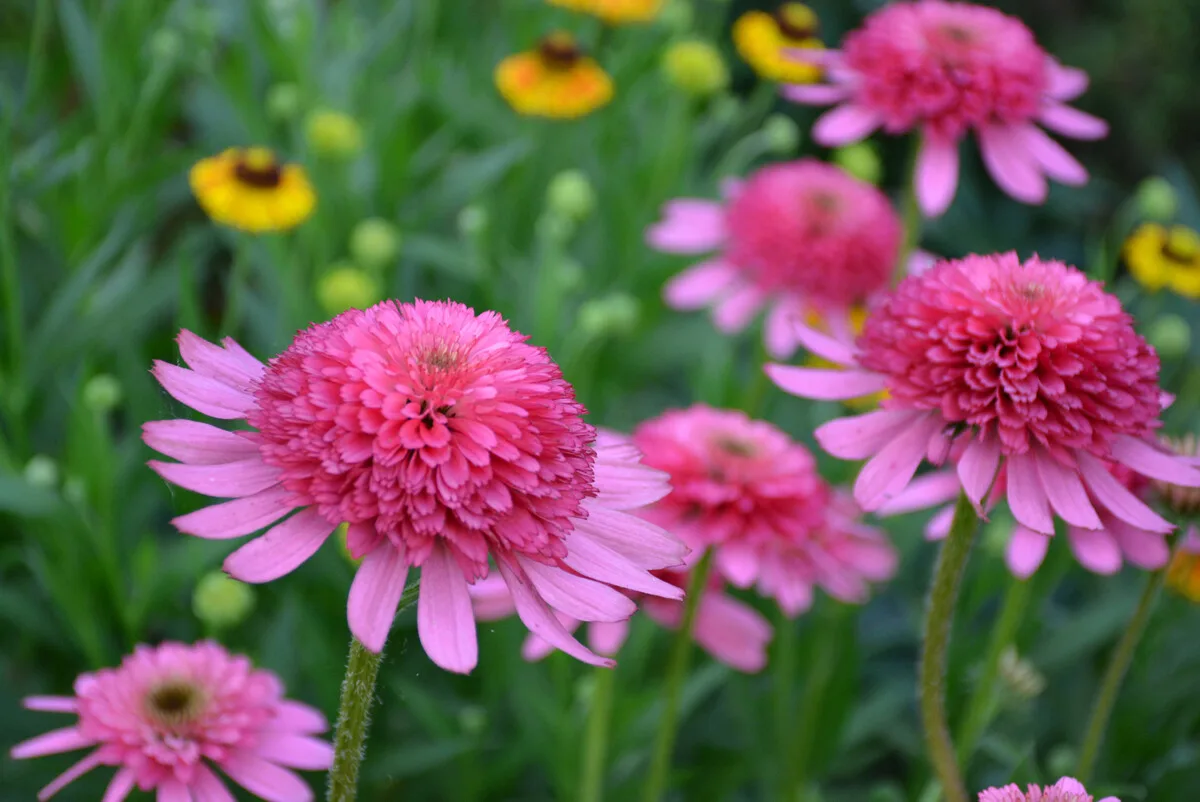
(237, 285)
(354, 714)
(911, 212)
(819, 674)
(681, 652)
(939, 617)
(783, 667)
(595, 739)
(1114, 675)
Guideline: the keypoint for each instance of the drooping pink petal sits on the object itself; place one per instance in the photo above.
(738, 561)
(541, 621)
(1011, 166)
(629, 486)
(281, 550)
(1072, 122)
(576, 596)
(814, 94)
(1025, 551)
(689, 225)
(844, 125)
(1096, 550)
(490, 599)
(172, 790)
(207, 786)
(121, 785)
(977, 468)
(734, 312)
(1116, 498)
(1064, 83)
(296, 751)
(215, 362)
(595, 560)
(825, 384)
(936, 174)
(1054, 159)
(779, 331)
(1026, 496)
(832, 349)
(69, 776)
(296, 717)
(607, 638)
(733, 632)
(1146, 550)
(1150, 461)
(238, 517)
(445, 621)
(892, 468)
(67, 739)
(699, 285)
(196, 443)
(939, 525)
(374, 595)
(862, 436)
(213, 398)
(930, 490)
(1066, 493)
(51, 704)
(229, 480)
(265, 779)
(643, 544)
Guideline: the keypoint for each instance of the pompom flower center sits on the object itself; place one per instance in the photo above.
(174, 703)
(257, 167)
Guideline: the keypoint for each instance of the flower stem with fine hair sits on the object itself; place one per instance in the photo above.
(595, 739)
(681, 653)
(354, 716)
(939, 617)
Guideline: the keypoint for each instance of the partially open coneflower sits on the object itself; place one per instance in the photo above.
(444, 440)
(1065, 790)
(1026, 366)
(766, 42)
(555, 80)
(614, 12)
(249, 189)
(946, 69)
(796, 237)
(1158, 257)
(171, 713)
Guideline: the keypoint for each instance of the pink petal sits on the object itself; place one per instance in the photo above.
(296, 717)
(201, 393)
(815, 94)
(1116, 498)
(263, 778)
(824, 384)
(689, 225)
(67, 739)
(833, 349)
(779, 328)
(1148, 460)
(733, 632)
(607, 638)
(863, 436)
(1054, 159)
(592, 558)
(1065, 83)
(281, 550)
(732, 314)
(1146, 550)
(540, 620)
(375, 594)
(236, 353)
(490, 599)
(1066, 493)
(1025, 551)
(215, 362)
(207, 787)
(445, 621)
(297, 751)
(919, 261)
(890, 470)
(51, 704)
(939, 525)
(230, 480)
(936, 174)
(930, 490)
(1072, 122)
(738, 563)
(576, 596)
(238, 517)
(196, 443)
(1026, 496)
(69, 776)
(628, 486)
(534, 648)
(700, 285)
(122, 783)
(1096, 550)
(643, 544)
(845, 124)
(172, 790)
(1012, 167)
(977, 468)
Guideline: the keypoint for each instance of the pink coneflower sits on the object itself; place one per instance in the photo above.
(796, 237)
(172, 712)
(444, 440)
(1029, 366)
(1065, 790)
(946, 69)
(744, 488)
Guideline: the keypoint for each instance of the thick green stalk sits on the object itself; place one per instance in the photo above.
(681, 652)
(354, 715)
(939, 617)
(595, 739)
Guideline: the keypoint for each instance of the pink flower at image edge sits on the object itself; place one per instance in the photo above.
(1067, 789)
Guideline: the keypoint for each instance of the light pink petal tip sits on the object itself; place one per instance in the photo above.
(67, 739)
(814, 94)
(699, 285)
(890, 470)
(202, 393)
(825, 384)
(197, 443)
(1072, 122)
(1010, 164)
(297, 751)
(936, 174)
(445, 620)
(265, 779)
(689, 225)
(863, 436)
(1025, 551)
(281, 550)
(845, 125)
(733, 632)
(539, 618)
(374, 595)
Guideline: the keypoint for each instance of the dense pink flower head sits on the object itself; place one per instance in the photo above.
(1065, 790)
(997, 363)
(170, 713)
(947, 68)
(796, 236)
(445, 441)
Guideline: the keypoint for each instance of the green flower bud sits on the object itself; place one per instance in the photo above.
(472, 220)
(374, 242)
(1156, 199)
(346, 286)
(42, 471)
(678, 16)
(333, 134)
(695, 67)
(781, 134)
(283, 102)
(860, 160)
(554, 227)
(220, 601)
(165, 45)
(1170, 335)
(570, 195)
(102, 393)
(726, 109)
(614, 315)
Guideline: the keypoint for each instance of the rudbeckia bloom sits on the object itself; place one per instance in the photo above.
(1065, 790)
(743, 488)
(555, 80)
(246, 188)
(1026, 366)
(615, 12)
(767, 42)
(444, 440)
(796, 237)
(945, 69)
(171, 713)
(1165, 257)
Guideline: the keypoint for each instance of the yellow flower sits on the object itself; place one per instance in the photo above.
(763, 41)
(555, 80)
(858, 319)
(696, 67)
(246, 188)
(1183, 574)
(1161, 257)
(614, 12)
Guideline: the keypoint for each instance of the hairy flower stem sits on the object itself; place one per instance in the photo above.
(939, 616)
(595, 739)
(1114, 675)
(681, 653)
(354, 715)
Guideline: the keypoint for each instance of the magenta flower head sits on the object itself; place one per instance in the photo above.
(796, 237)
(946, 69)
(1065, 790)
(742, 487)
(443, 439)
(998, 363)
(170, 713)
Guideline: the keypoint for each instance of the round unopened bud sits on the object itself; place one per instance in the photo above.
(1170, 335)
(472, 221)
(220, 601)
(346, 286)
(473, 719)
(1156, 199)
(553, 227)
(333, 134)
(41, 471)
(102, 393)
(1020, 677)
(613, 315)
(677, 16)
(374, 242)
(165, 45)
(1184, 501)
(860, 160)
(570, 194)
(695, 67)
(283, 102)
(781, 134)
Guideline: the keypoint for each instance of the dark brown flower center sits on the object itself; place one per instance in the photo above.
(1181, 248)
(174, 702)
(257, 167)
(734, 446)
(796, 21)
(559, 51)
